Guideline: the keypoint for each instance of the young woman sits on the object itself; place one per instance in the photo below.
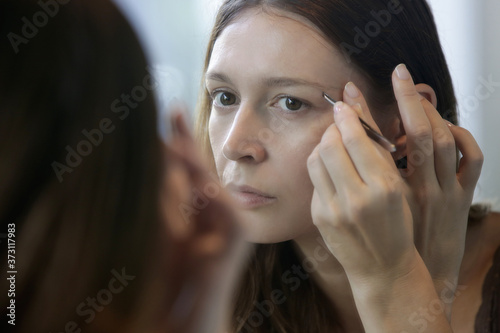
(346, 241)
(90, 198)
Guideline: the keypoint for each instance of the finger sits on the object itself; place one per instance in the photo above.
(359, 146)
(337, 161)
(471, 162)
(445, 154)
(175, 109)
(182, 141)
(420, 153)
(320, 178)
(353, 96)
(179, 126)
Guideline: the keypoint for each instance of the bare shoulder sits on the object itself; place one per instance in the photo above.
(483, 237)
(491, 225)
(488, 315)
(483, 240)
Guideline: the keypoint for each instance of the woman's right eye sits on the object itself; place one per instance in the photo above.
(224, 98)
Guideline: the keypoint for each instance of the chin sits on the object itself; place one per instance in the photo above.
(267, 230)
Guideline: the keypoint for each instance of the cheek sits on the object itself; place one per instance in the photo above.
(307, 136)
(297, 146)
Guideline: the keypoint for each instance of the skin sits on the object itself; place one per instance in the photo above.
(289, 136)
(377, 225)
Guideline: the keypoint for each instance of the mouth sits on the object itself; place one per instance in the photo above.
(247, 197)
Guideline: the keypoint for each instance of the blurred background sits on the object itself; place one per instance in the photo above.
(175, 34)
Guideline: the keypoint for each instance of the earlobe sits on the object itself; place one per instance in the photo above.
(427, 92)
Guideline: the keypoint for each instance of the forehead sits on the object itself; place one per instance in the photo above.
(259, 42)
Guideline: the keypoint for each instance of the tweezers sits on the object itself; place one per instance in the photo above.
(374, 135)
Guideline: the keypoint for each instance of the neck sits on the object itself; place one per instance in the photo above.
(329, 275)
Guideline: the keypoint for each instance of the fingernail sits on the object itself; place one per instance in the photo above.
(450, 124)
(338, 106)
(351, 90)
(402, 72)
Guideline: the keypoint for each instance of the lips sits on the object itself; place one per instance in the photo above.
(248, 197)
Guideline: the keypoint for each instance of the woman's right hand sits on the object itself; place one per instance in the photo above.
(362, 215)
(365, 220)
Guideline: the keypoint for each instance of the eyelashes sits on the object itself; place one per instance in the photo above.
(291, 104)
(223, 98)
(286, 103)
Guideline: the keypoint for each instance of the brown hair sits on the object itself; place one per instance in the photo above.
(409, 37)
(80, 221)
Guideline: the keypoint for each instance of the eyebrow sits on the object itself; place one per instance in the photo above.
(290, 82)
(270, 81)
(217, 77)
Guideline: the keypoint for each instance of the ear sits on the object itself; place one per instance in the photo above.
(427, 92)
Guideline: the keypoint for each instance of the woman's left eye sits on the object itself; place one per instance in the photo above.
(290, 104)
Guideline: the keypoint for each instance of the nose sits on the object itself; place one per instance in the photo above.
(243, 141)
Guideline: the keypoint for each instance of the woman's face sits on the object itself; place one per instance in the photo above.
(266, 77)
